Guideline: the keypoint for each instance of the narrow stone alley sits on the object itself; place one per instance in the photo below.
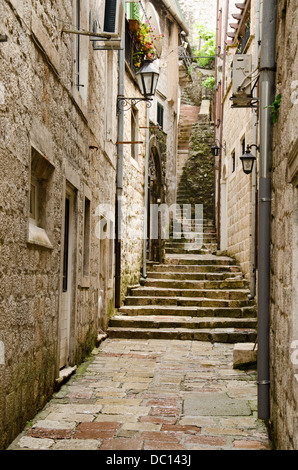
(164, 377)
(152, 395)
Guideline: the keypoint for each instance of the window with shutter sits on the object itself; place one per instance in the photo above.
(110, 16)
(160, 111)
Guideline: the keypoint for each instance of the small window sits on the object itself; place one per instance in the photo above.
(243, 148)
(133, 11)
(160, 112)
(33, 200)
(81, 49)
(233, 161)
(134, 132)
(39, 200)
(87, 231)
(78, 44)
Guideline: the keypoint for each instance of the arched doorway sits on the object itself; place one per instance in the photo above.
(155, 197)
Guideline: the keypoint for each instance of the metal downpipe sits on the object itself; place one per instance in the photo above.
(254, 172)
(267, 94)
(119, 175)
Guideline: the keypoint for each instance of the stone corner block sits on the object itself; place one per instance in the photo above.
(244, 355)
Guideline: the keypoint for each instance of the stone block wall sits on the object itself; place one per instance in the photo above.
(43, 113)
(236, 202)
(284, 236)
(234, 185)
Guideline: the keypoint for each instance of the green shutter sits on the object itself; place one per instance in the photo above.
(110, 16)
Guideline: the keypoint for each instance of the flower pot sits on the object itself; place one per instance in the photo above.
(134, 25)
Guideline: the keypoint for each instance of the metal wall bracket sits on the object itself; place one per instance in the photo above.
(124, 104)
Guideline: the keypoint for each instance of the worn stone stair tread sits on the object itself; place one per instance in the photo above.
(227, 294)
(161, 321)
(197, 283)
(184, 310)
(224, 335)
(210, 259)
(193, 268)
(195, 276)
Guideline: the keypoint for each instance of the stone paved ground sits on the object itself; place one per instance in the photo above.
(152, 395)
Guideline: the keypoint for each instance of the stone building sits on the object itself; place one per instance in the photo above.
(235, 128)
(284, 235)
(156, 125)
(59, 171)
(58, 164)
(242, 117)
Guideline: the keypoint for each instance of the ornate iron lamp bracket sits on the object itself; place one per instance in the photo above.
(124, 104)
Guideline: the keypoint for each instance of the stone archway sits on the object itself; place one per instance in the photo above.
(155, 197)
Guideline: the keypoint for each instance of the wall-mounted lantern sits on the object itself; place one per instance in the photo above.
(216, 148)
(147, 78)
(248, 159)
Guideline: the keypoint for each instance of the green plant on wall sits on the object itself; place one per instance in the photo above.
(146, 49)
(209, 83)
(203, 35)
(275, 107)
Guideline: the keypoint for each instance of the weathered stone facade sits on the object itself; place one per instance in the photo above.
(284, 236)
(167, 99)
(234, 131)
(53, 138)
(235, 217)
(58, 169)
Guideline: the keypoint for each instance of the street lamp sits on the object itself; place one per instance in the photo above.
(216, 148)
(248, 159)
(147, 78)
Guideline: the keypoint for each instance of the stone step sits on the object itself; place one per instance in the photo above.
(195, 276)
(139, 299)
(199, 260)
(229, 284)
(194, 323)
(204, 249)
(186, 310)
(195, 247)
(190, 237)
(194, 242)
(231, 294)
(187, 268)
(216, 335)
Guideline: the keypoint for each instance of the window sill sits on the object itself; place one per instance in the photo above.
(38, 236)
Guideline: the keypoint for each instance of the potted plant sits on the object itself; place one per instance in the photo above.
(134, 25)
(145, 44)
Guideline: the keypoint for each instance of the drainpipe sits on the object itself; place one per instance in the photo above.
(254, 172)
(119, 175)
(222, 120)
(267, 93)
(145, 234)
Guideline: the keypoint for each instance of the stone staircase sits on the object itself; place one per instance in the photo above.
(193, 295)
(189, 116)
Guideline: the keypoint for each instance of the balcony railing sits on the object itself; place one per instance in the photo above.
(130, 48)
(244, 40)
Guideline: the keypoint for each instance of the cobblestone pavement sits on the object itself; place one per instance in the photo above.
(152, 395)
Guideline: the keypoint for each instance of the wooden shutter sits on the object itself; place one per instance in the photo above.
(110, 16)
